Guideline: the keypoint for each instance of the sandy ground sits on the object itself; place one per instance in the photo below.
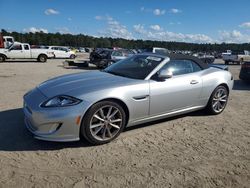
(193, 150)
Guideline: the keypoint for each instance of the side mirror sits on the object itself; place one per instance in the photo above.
(165, 74)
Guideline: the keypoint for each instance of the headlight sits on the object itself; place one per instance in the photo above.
(61, 101)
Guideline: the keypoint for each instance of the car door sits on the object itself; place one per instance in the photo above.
(26, 51)
(56, 51)
(16, 51)
(182, 91)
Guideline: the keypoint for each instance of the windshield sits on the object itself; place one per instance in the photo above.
(136, 67)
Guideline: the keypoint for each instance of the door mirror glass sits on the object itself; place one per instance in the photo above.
(165, 74)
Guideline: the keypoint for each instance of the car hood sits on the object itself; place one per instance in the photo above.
(82, 83)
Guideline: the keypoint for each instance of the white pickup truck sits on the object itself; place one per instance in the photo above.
(23, 51)
(239, 58)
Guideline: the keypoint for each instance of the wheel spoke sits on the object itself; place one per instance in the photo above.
(219, 106)
(113, 114)
(214, 105)
(116, 120)
(96, 125)
(99, 118)
(223, 100)
(101, 113)
(109, 112)
(109, 133)
(104, 133)
(98, 130)
(115, 126)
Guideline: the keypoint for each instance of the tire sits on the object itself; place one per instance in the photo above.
(103, 122)
(72, 56)
(218, 100)
(42, 58)
(2, 58)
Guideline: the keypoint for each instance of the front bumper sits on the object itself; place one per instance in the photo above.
(52, 124)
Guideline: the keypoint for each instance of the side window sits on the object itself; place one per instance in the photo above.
(26, 47)
(17, 47)
(196, 67)
(117, 53)
(180, 67)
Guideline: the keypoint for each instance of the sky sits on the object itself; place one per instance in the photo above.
(196, 21)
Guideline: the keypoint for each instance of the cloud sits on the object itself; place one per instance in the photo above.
(51, 11)
(159, 34)
(35, 30)
(155, 27)
(245, 25)
(98, 17)
(234, 37)
(159, 12)
(139, 29)
(174, 23)
(115, 29)
(175, 11)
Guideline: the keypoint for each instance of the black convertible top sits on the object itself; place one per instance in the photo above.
(174, 56)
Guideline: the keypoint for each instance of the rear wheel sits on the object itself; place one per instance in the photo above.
(42, 58)
(218, 100)
(72, 56)
(103, 122)
(2, 58)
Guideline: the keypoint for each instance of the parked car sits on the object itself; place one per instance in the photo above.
(245, 71)
(120, 54)
(105, 57)
(23, 51)
(157, 50)
(98, 105)
(62, 52)
(206, 58)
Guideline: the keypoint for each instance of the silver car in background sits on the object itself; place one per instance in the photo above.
(98, 105)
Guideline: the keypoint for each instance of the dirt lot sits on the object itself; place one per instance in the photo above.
(194, 150)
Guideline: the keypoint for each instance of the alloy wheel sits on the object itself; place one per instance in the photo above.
(219, 100)
(106, 123)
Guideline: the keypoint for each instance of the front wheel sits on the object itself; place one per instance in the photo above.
(42, 58)
(103, 122)
(2, 58)
(72, 56)
(218, 100)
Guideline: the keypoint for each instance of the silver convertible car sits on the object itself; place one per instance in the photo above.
(98, 105)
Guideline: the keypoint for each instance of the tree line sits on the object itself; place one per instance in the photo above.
(80, 40)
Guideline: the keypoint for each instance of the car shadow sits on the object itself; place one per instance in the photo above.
(15, 137)
(241, 85)
(24, 61)
(192, 114)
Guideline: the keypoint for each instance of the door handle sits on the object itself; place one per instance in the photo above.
(194, 82)
(140, 97)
